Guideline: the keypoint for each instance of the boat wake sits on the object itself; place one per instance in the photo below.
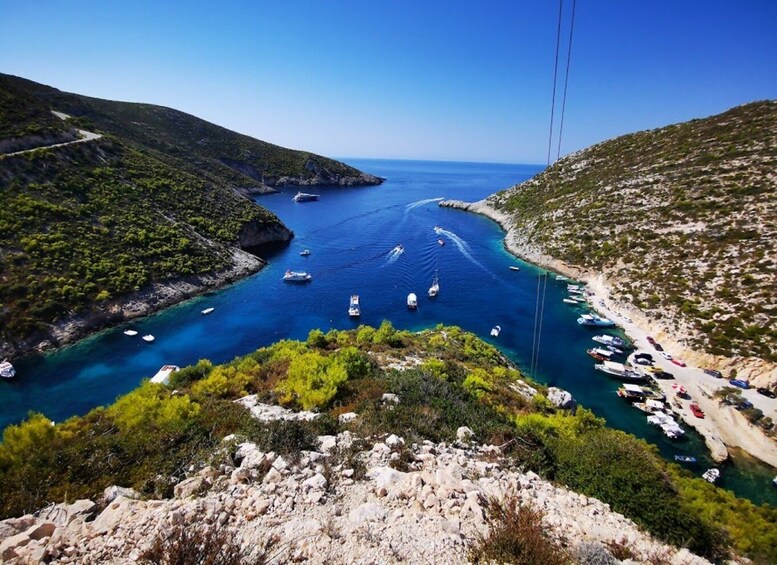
(414, 205)
(461, 245)
(394, 255)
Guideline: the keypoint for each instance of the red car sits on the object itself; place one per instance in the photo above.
(679, 362)
(698, 412)
(651, 341)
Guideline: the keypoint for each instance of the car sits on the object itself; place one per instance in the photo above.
(666, 356)
(744, 405)
(651, 341)
(766, 392)
(714, 373)
(664, 375)
(739, 383)
(678, 362)
(697, 411)
(657, 347)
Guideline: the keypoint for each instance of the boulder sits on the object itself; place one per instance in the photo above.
(464, 434)
(13, 526)
(389, 398)
(394, 441)
(40, 531)
(327, 443)
(347, 417)
(367, 512)
(560, 398)
(11, 544)
(189, 487)
(113, 492)
(316, 482)
(82, 508)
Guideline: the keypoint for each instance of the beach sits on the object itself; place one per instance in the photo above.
(723, 426)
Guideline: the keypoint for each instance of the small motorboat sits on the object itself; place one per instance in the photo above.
(561, 278)
(354, 310)
(711, 475)
(7, 370)
(207, 311)
(305, 197)
(435, 288)
(162, 376)
(148, 338)
(774, 481)
(398, 249)
(305, 252)
(496, 330)
(130, 333)
(685, 458)
(412, 301)
(441, 241)
(297, 276)
(570, 301)
(514, 268)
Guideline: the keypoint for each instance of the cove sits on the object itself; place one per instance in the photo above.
(350, 234)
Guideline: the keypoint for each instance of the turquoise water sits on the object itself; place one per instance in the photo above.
(350, 233)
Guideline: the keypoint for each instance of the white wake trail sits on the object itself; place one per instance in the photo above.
(461, 245)
(413, 205)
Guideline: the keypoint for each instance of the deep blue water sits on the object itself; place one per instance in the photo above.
(350, 233)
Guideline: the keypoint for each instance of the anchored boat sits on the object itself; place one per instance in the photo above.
(496, 330)
(163, 375)
(297, 276)
(412, 301)
(595, 320)
(7, 370)
(130, 333)
(305, 197)
(207, 311)
(354, 310)
(148, 338)
(435, 288)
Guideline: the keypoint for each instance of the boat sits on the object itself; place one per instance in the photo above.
(650, 406)
(610, 340)
(667, 424)
(305, 197)
(631, 393)
(570, 301)
(207, 311)
(441, 241)
(162, 376)
(130, 333)
(774, 481)
(297, 276)
(620, 371)
(594, 320)
(148, 338)
(599, 354)
(354, 310)
(561, 278)
(514, 268)
(613, 349)
(711, 475)
(398, 249)
(412, 301)
(305, 252)
(685, 458)
(696, 409)
(435, 288)
(7, 370)
(496, 330)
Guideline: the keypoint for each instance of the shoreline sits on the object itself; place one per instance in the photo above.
(723, 426)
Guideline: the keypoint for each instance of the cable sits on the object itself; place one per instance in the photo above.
(566, 80)
(555, 75)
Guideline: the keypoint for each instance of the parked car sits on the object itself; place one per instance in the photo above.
(739, 383)
(714, 373)
(678, 362)
(766, 392)
(658, 347)
(744, 405)
(666, 356)
(697, 411)
(651, 341)
(664, 375)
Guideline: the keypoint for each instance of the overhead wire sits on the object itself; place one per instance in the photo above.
(566, 80)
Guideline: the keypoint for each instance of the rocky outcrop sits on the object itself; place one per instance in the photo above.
(255, 234)
(560, 398)
(431, 507)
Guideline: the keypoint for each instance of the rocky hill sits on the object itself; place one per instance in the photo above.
(386, 446)
(680, 221)
(111, 210)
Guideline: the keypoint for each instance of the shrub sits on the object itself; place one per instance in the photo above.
(312, 380)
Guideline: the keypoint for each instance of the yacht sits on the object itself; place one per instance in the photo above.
(305, 197)
(412, 301)
(620, 371)
(595, 320)
(667, 424)
(495, 331)
(441, 241)
(130, 333)
(610, 340)
(570, 301)
(685, 458)
(207, 311)
(354, 310)
(6, 370)
(398, 249)
(600, 354)
(297, 276)
(162, 376)
(514, 268)
(561, 278)
(148, 338)
(305, 252)
(711, 475)
(435, 288)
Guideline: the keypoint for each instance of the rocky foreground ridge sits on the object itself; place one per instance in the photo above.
(348, 502)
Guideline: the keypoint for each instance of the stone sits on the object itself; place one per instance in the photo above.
(272, 476)
(11, 544)
(82, 508)
(394, 441)
(560, 398)
(327, 443)
(367, 512)
(189, 487)
(389, 398)
(316, 482)
(40, 531)
(464, 434)
(280, 464)
(13, 526)
(113, 492)
(347, 417)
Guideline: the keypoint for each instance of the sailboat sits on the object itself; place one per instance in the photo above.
(435, 288)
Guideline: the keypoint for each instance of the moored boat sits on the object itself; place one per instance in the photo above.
(595, 320)
(561, 278)
(631, 392)
(514, 268)
(610, 340)
(148, 338)
(354, 310)
(667, 424)
(711, 475)
(163, 375)
(685, 458)
(412, 301)
(207, 311)
(305, 197)
(297, 276)
(130, 332)
(7, 370)
(305, 252)
(620, 371)
(496, 330)
(570, 301)
(599, 354)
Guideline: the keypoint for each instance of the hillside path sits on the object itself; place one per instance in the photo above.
(86, 136)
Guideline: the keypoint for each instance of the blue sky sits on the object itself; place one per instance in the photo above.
(411, 79)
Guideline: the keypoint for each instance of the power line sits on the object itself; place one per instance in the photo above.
(566, 80)
(555, 75)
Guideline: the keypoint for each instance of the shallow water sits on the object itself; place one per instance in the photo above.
(351, 234)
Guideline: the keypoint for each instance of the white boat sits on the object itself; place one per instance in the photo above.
(610, 340)
(305, 252)
(297, 276)
(667, 424)
(130, 333)
(398, 249)
(412, 301)
(711, 475)
(441, 241)
(148, 338)
(600, 354)
(305, 197)
(6, 370)
(570, 301)
(594, 320)
(163, 375)
(496, 330)
(620, 371)
(207, 311)
(514, 268)
(354, 310)
(435, 288)
(561, 278)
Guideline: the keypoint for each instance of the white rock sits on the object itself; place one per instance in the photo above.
(464, 434)
(560, 398)
(390, 398)
(347, 417)
(316, 482)
(40, 531)
(280, 464)
(113, 492)
(272, 476)
(10, 545)
(394, 441)
(327, 443)
(367, 512)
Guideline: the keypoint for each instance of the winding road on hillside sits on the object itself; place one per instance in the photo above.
(85, 136)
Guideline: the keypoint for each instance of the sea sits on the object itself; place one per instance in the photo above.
(352, 235)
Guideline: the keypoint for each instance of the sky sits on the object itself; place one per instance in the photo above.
(406, 79)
